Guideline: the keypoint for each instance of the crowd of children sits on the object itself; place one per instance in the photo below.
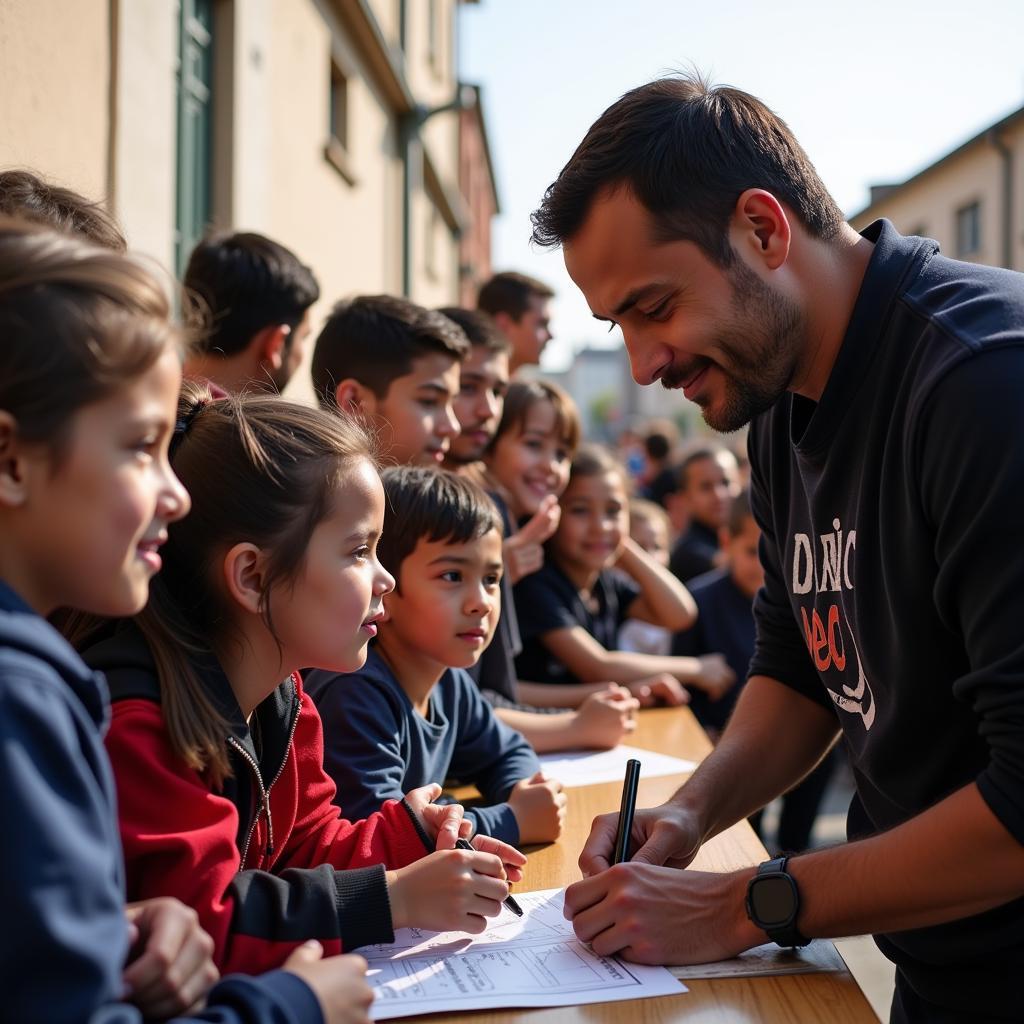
(265, 616)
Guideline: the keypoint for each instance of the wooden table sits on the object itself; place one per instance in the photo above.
(828, 997)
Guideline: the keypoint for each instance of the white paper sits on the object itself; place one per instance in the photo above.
(535, 960)
(584, 767)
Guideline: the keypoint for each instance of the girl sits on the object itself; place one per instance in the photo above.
(218, 752)
(571, 610)
(89, 374)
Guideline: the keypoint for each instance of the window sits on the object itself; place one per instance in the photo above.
(193, 200)
(338, 150)
(968, 230)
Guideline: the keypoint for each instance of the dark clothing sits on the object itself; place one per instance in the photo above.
(725, 625)
(894, 586)
(378, 746)
(65, 938)
(548, 600)
(694, 553)
(266, 861)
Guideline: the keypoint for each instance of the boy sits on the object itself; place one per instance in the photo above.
(519, 306)
(412, 712)
(708, 481)
(397, 364)
(251, 298)
(725, 624)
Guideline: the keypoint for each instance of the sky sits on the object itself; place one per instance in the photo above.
(873, 91)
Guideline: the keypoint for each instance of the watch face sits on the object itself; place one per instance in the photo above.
(773, 900)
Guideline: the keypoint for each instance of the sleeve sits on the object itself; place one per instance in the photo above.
(179, 840)
(691, 643)
(539, 607)
(780, 651)
(62, 905)
(362, 743)
(970, 466)
(687, 560)
(490, 755)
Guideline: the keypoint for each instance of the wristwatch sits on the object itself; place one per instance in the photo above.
(773, 902)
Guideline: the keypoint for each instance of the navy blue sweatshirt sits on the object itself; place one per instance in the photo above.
(893, 548)
(378, 747)
(65, 935)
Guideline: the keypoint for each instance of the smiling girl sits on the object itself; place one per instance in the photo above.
(217, 750)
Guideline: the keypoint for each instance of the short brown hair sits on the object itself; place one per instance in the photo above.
(77, 323)
(510, 293)
(481, 331)
(27, 195)
(374, 340)
(687, 150)
(523, 395)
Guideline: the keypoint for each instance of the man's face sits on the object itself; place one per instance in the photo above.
(483, 381)
(530, 333)
(726, 337)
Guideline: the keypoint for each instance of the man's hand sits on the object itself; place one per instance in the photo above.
(657, 915)
(523, 552)
(660, 835)
(169, 967)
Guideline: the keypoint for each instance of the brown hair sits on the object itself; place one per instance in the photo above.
(523, 395)
(480, 330)
(596, 460)
(643, 510)
(510, 293)
(259, 469)
(687, 150)
(374, 339)
(77, 323)
(24, 194)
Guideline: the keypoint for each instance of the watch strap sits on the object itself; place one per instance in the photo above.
(787, 935)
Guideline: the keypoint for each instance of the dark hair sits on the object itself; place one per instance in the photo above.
(77, 322)
(424, 503)
(511, 293)
(739, 513)
(660, 438)
(239, 284)
(595, 460)
(480, 330)
(694, 455)
(374, 339)
(687, 150)
(27, 195)
(258, 469)
(523, 395)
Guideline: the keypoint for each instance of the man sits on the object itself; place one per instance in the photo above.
(519, 306)
(250, 297)
(883, 381)
(707, 483)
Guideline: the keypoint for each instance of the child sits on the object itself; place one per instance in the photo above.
(397, 364)
(217, 751)
(89, 373)
(726, 624)
(413, 715)
(649, 528)
(571, 610)
(603, 719)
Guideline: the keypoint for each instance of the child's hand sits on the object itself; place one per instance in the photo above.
(512, 858)
(444, 823)
(450, 890)
(539, 806)
(603, 719)
(662, 687)
(523, 552)
(339, 983)
(715, 677)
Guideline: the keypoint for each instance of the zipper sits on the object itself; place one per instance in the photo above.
(265, 791)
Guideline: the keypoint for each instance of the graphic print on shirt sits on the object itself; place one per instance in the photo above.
(822, 570)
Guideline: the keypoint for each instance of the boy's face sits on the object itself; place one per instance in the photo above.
(652, 535)
(744, 564)
(416, 415)
(711, 484)
(594, 523)
(483, 381)
(533, 462)
(448, 600)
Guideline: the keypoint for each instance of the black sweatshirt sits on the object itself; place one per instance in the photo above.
(893, 545)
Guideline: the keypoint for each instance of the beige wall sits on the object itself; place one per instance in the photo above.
(54, 100)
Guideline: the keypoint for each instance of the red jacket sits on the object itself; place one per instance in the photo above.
(183, 839)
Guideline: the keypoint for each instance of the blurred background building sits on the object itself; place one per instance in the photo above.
(338, 127)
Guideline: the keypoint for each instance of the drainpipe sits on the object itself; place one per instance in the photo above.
(1007, 161)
